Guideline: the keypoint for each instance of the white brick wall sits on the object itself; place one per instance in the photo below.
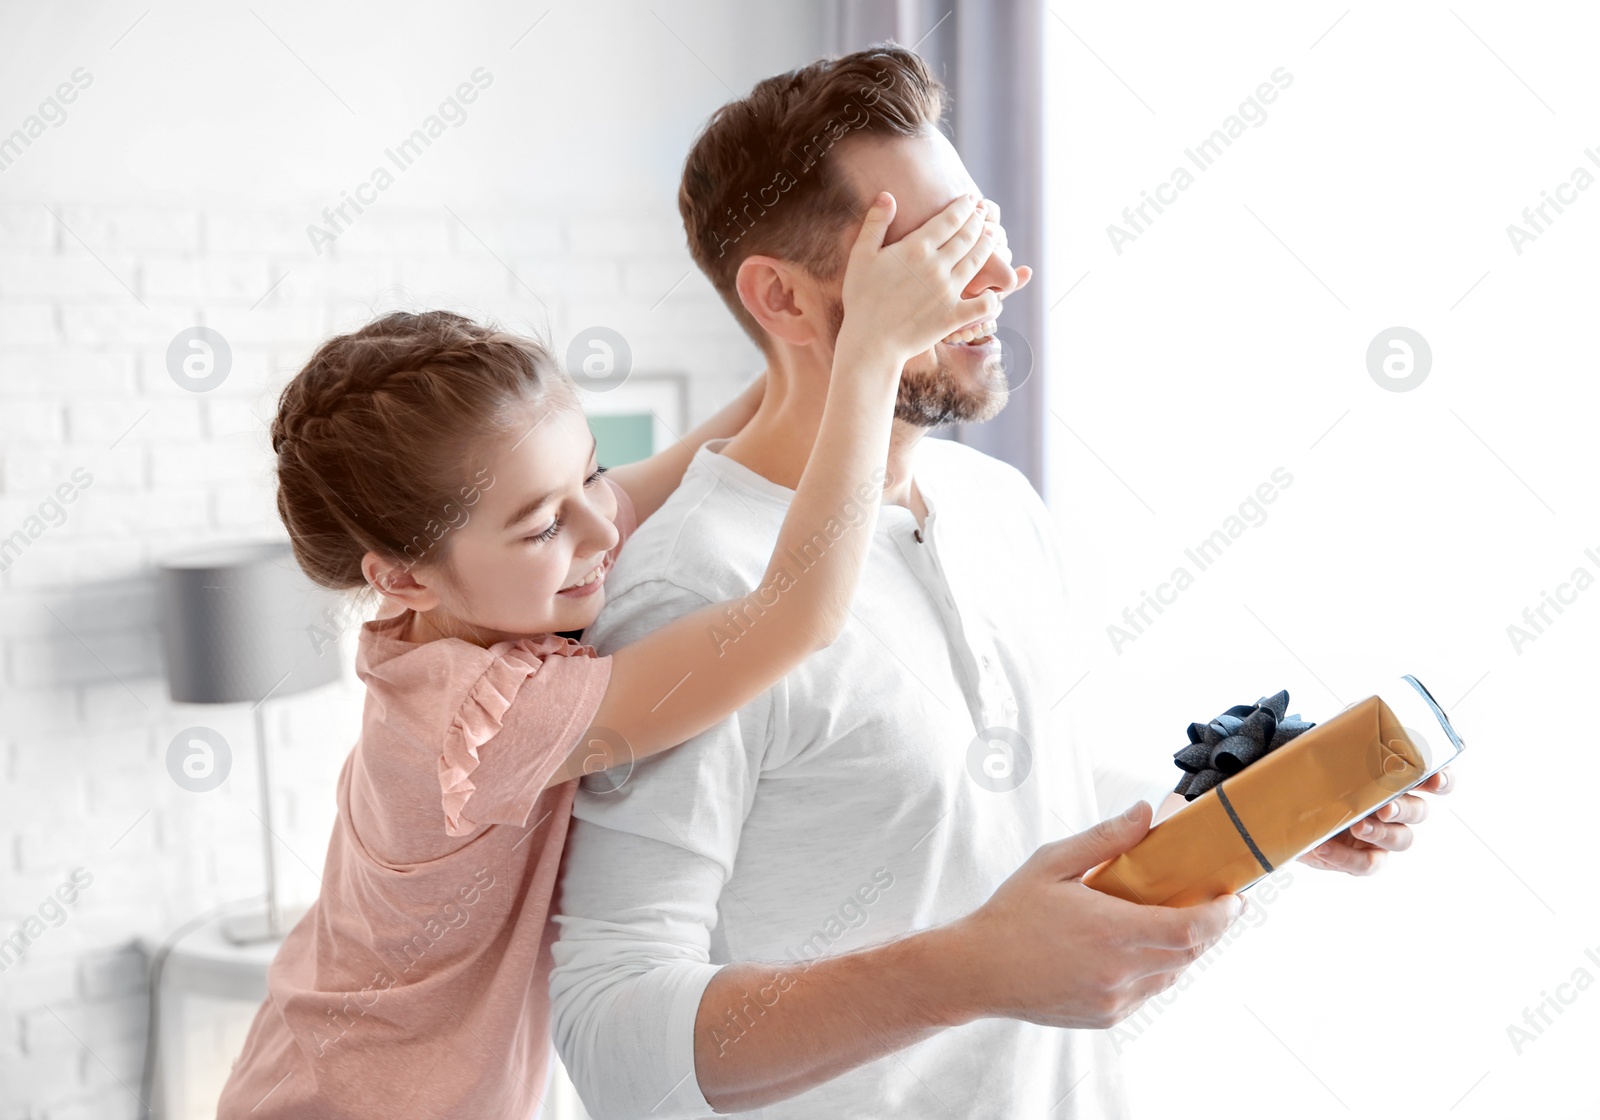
(177, 193)
(84, 327)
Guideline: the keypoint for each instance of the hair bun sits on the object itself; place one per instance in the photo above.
(374, 434)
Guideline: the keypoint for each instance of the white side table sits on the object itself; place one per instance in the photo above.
(191, 1066)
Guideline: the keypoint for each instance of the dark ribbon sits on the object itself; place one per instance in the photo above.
(1243, 734)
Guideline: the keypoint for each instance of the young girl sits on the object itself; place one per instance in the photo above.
(448, 466)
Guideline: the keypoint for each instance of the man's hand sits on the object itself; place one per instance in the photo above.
(1043, 948)
(1362, 848)
(1047, 949)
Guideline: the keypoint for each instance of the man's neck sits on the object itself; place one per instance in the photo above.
(777, 441)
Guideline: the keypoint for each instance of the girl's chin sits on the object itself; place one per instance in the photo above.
(570, 613)
(566, 614)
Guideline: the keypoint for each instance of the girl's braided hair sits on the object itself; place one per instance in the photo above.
(385, 432)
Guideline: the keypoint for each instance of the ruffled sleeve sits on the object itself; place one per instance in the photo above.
(518, 723)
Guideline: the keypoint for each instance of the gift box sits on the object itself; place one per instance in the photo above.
(1265, 787)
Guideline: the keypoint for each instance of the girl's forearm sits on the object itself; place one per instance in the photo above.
(651, 481)
(731, 418)
(823, 543)
(676, 681)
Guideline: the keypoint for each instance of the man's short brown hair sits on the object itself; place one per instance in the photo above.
(757, 180)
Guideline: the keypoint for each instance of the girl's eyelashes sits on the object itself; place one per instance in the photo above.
(555, 526)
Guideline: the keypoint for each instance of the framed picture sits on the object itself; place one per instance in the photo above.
(647, 412)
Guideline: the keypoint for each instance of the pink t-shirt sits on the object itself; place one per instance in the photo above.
(417, 985)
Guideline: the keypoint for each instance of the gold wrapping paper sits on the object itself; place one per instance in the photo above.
(1288, 802)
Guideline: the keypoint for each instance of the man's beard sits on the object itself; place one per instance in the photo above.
(941, 396)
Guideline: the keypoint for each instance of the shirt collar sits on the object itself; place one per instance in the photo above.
(709, 458)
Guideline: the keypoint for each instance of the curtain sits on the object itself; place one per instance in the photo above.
(990, 56)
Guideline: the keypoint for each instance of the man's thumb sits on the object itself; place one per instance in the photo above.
(1075, 855)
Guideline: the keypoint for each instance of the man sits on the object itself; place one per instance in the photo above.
(854, 896)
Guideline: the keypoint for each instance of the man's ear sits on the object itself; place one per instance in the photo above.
(398, 583)
(781, 298)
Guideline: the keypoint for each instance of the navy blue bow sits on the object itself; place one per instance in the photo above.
(1243, 734)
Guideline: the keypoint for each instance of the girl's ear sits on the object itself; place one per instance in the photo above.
(779, 297)
(398, 583)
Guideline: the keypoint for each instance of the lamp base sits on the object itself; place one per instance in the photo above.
(253, 929)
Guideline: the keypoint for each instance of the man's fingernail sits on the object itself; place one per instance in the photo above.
(1235, 906)
(1132, 812)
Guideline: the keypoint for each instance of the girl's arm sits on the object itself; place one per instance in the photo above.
(687, 676)
(650, 481)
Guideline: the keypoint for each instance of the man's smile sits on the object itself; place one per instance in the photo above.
(980, 333)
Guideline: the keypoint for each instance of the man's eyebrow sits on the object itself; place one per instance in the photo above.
(529, 508)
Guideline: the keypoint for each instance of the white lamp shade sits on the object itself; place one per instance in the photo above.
(242, 622)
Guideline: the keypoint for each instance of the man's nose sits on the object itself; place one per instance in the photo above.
(996, 275)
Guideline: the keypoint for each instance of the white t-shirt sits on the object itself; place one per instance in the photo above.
(852, 803)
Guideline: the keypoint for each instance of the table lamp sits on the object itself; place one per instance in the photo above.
(242, 623)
